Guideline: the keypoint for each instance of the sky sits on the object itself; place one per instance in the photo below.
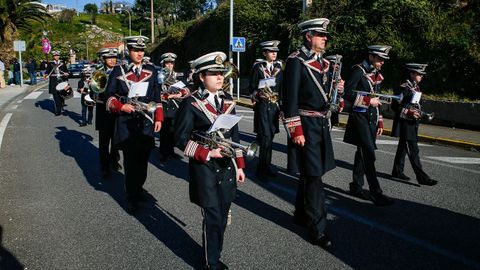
(79, 4)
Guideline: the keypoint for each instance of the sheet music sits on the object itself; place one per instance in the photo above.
(224, 121)
(270, 82)
(416, 97)
(178, 85)
(138, 89)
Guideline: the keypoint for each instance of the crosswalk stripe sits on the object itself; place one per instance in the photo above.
(3, 126)
(456, 160)
(33, 95)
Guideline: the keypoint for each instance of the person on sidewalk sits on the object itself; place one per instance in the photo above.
(305, 107)
(134, 126)
(83, 89)
(10, 76)
(213, 174)
(16, 71)
(32, 71)
(266, 105)
(43, 68)
(105, 121)
(365, 123)
(408, 114)
(57, 72)
(2, 74)
(171, 98)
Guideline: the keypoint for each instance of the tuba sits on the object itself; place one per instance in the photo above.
(98, 81)
(232, 72)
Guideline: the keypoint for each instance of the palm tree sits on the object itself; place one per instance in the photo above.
(19, 15)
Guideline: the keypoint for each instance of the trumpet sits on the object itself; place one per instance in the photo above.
(386, 99)
(334, 102)
(144, 108)
(215, 140)
(268, 93)
(231, 73)
(424, 115)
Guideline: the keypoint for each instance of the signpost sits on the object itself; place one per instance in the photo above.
(238, 45)
(19, 46)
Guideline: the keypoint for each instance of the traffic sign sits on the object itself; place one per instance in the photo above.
(19, 45)
(238, 44)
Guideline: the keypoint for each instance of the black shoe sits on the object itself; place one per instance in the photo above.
(322, 241)
(400, 176)
(90, 122)
(57, 114)
(222, 266)
(381, 200)
(175, 156)
(359, 192)
(82, 124)
(427, 182)
(132, 207)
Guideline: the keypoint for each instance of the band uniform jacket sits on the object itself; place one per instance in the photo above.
(170, 106)
(211, 182)
(132, 125)
(404, 124)
(363, 120)
(103, 118)
(82, 85)
(305, 105)
(265, 121)
(55, 76)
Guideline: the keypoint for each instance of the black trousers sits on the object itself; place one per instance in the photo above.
(87, 113)
(409, 147)
(214, 225)
(58, 102)
(292, 157)
(265, 155)
(136, 152)
(310, 203)
(364, 165)
(167, 142)
(107, 151)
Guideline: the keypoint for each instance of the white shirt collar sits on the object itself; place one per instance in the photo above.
(211, 98)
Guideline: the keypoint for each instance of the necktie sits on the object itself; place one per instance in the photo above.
(137, 72)
(217, 104)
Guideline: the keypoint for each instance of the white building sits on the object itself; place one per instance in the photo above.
(53, 8)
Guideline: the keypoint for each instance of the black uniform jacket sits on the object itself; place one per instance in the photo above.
(83, 89)
(170, 106)
(265, 121)
(55, 76)
(134, 125)
(102, 116)
(363, 120)
(212, 182)
(305, 105)
(404, 124)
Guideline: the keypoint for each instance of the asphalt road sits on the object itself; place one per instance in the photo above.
(56, 214)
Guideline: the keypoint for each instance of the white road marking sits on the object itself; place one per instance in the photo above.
(14, 107)
(33, 95)
(244, 111)
(247, 117)
(456, 160)
(19, 101)
(76, 94)
(3, 126)
(395, 142)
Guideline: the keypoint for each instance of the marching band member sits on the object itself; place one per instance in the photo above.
(213, 176)
(170, 103)
(405, 125)
(305, 105)
(105, 121)
(266, 107)
(83, 89)
(130, 86)
(365, 123)
(57, 72)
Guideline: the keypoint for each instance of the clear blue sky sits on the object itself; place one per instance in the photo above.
(79, 4)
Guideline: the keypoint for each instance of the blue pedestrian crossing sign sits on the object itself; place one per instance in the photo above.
(238, 44)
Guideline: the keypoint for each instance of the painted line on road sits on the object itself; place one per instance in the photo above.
(19, 101)
(3, 126)
(14, 107)
(244, 111)
(33, 95)
(378, 226)
(456, 160)
(423, 160)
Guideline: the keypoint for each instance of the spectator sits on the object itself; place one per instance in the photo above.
(2, 70)
(16, 71)
(11, 78)
(43, 67)
(32, 71)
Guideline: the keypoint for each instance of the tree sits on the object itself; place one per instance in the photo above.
(66, 16)
(91, 9)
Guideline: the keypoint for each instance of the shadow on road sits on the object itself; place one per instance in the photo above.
(48, 105)
(158, 221)
(7, 259)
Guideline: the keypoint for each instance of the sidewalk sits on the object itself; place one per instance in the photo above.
(463, 138)
(9, 93)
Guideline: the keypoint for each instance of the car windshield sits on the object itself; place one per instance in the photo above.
(76, 66)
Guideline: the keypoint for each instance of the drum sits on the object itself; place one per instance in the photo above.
(65, 90)
(87, 100)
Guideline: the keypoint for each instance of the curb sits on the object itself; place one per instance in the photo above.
(422, 138)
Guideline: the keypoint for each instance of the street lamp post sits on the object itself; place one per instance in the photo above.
(230, 53)
(129, 22)
(152, 32)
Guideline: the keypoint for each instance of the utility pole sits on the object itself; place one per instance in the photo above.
(230, 53)
(151, 22)
(306, 4)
